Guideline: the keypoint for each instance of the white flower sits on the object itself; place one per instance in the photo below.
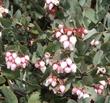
(69, 61)
(8, 54)
(74, 90)
(42, 63)
(47, 61)
(55, 66)
(94, 42)
(10, 58)
(85, 31)
(48, 1)
(99, 91)
(24, 65)
(101, 70)
(18, 60)
(55, 2)
(62, 88)
(48, 82)
(73, 67)
(0, 34)
(71, 47)
(67, 70)
(63, 38)
(14, 55)
(73, 40)
(86, 95)
(26, 57)
(8, 65)
(63, 64)
(62, 30)
(43, 69)
(47, 55)
(69, 33)
(23, 60)
(53, 83)
(80, 95)
(60, 26)
(103, 82)
(51, 6)
(13, 67)
(1, 15)
(101, 87)
(6, 10)
(36, 65)
(58, 34)
(97, 43)
(66, 44)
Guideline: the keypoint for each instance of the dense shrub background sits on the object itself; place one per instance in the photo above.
(28, 29)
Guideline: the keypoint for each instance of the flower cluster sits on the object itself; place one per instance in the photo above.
(51, 6)
(2, 11)
(80, 92)
(99, 88)
(41, 63)
(55, 84)
(65, 66)
(67, 36)
(13, 61)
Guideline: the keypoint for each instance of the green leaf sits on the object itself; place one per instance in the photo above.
(57, 55)
(107, 99)
(97, 58)
(34, 98)
(34, 32)
(2, 80)
(87, 81)
(106, 36)
(6, 22)
(9, 95)
(11, 74)
(40, 50)
(82, 2)
(75, 12)
(90, 14)
(6, 3)
(91, 92)
(90, 34)
(18, 14)
(100, 99)
(71, 101)
(52, 47)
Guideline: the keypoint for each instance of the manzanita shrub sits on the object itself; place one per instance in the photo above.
(54, 51)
